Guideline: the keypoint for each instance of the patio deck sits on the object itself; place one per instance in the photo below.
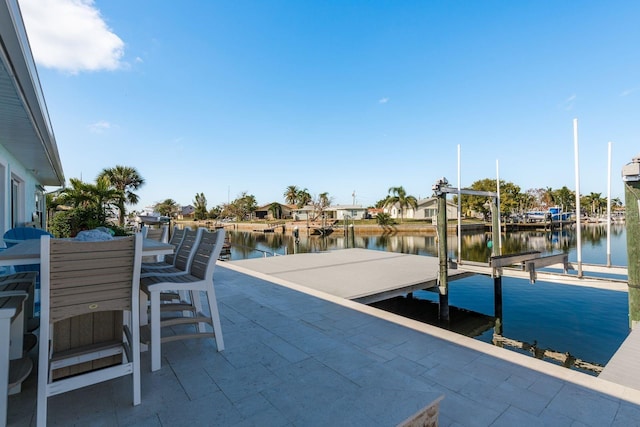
(301, 357)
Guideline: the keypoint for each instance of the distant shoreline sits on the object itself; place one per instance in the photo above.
(288, 226)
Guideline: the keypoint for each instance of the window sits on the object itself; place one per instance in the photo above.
(430, 212)
(17, 199)
(14, 202)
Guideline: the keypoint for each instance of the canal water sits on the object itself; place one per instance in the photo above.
(584, 323)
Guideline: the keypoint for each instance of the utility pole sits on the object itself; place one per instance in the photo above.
(631, 178)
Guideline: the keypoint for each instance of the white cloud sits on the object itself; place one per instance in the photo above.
(99, 126)
(627, 92)
(383, 100)
(71, 36)
(568, 103)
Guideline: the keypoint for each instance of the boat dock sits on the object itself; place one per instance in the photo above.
(369, 276)
(624, 366)
(270, 228)
(360, 275)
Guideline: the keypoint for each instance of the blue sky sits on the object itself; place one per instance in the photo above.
(222, 97)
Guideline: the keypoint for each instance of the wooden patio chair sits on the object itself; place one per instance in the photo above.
(88, 289)
(199, 279)
(183, 256)
(24, 281)
(161, 234)
(169, 260)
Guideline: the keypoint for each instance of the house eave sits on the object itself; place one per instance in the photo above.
(25, 128)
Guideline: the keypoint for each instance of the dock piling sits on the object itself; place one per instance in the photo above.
(441, 229)
(631, 178)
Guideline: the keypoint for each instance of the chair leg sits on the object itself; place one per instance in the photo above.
(197, 303)
(43, 376)
(135, 349)
(215, 316)
(155, 330)
(184, 296)
(144, 308)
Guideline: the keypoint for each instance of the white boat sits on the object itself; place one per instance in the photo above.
(554, 214)
(151, 219)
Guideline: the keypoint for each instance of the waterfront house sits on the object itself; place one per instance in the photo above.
(346, 212)
(304, 213)
(266, 211)
(373, 212)
(187, 212)
(29, 159)
(426, 209)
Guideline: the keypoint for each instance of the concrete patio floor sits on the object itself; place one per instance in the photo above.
(297, 358)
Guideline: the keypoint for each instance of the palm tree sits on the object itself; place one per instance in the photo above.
(595, 200)
(324, 199)
(78, 195)
(90, 202)
(104, 196)
(200, 203)
(303, 198)
(124, 179)
(168, 207)
(291, 194)
(399, 195)
(276, 210)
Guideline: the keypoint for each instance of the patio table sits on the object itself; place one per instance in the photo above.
(28, 251)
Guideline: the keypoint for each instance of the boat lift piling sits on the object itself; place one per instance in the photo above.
(631, 178)
(440, 191)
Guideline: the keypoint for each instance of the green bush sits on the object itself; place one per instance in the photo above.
(70, 223)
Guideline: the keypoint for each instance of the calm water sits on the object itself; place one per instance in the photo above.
(590, 324)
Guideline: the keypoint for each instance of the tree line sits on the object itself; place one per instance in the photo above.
(84, 205)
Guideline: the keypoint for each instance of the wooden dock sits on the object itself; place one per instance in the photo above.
(270, 228)
(361, 275)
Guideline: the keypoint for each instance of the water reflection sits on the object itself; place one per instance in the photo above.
(475, 246)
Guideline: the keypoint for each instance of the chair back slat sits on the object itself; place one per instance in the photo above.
(176, 241)
(159, 233)
(177, 235)
(207, 253)
(184, 255)
(87, 277)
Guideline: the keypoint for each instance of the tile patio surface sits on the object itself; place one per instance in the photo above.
(307, 359)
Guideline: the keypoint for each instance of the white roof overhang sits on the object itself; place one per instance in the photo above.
(25, 128)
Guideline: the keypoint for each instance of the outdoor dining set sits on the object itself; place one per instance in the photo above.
(95, 302)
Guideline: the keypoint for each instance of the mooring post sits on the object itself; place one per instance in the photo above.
(441, 228)
(497, 279)
(497, 304)
(631, 178)
(495, 228)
